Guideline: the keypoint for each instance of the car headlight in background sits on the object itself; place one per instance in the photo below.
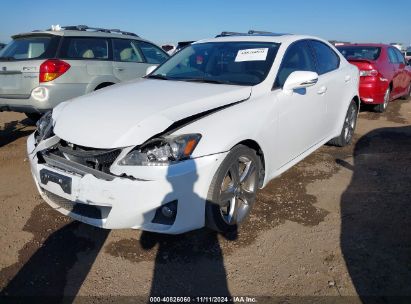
(162, 151)
(44, 127)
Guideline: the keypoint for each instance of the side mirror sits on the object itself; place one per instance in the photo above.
(299, 80)
(150, 69)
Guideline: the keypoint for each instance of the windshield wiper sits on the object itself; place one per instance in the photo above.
(7, 58)
(158, 76)
(205, 80)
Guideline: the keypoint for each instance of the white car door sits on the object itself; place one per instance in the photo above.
(301, 114)
(128, 61)
(334, 81)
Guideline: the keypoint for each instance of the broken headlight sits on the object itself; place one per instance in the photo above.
(162, 151)
(44, 127)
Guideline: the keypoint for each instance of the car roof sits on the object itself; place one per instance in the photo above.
(276, 38)
(365, 44)
(81, 31)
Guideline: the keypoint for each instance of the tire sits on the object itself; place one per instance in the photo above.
(380, 108)
(408, 95)
(347, 132)
(34, 117)
(231, 196)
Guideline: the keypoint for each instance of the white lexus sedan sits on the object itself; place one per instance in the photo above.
(190, 144)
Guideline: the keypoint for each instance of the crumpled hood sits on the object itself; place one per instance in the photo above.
(128, 114)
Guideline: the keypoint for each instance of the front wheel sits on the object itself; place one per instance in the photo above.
(348, 128)
(233, 189)
(408, 94)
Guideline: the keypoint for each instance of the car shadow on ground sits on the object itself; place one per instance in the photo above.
(14, 130)
(376, 216)
(55, 263)
(190, 264)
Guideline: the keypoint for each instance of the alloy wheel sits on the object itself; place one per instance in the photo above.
(386, 98)
(238, 190)
(349, 124)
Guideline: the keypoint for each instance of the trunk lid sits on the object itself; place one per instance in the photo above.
(128, 114)
(19, 77)
(363, 64)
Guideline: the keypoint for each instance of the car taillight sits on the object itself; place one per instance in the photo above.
(51, 69)
(371, 73)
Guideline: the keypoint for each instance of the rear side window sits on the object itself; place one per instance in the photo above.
(30, 47)
(152, 53)
(391, 55)
(400, 57)
(126, 51)
(298, 57)
(327, 59)
(85, 48)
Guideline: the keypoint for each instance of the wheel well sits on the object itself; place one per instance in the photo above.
(103, 85)
(357, 102)
(391, 86)
(256, 147)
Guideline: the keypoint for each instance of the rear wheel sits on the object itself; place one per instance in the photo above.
(34, 117)
(233, 190)
(347, 131)
(380, 108)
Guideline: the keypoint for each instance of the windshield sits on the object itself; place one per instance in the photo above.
(238, 63)
(30, 48)
(360, 52)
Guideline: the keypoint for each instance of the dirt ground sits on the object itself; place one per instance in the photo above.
(337, 224)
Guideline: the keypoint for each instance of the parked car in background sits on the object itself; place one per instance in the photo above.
(408, 54)
(182, 44)
(40, 69)
(169, 48)
(385, 75)
(190, 144)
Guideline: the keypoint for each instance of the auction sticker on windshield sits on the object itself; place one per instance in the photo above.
(251, 55)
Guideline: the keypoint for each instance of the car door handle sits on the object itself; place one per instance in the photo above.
(119, 69)
(322, 90)
(347, 78)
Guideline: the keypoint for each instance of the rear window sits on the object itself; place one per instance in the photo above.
(360, 52)
(86, 48)
(24, 48)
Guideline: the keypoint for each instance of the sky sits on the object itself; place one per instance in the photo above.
(178, 20)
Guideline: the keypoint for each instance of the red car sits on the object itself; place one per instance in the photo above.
(384, 73)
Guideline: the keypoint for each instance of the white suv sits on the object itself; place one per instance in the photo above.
(40, 69)
(191, 143)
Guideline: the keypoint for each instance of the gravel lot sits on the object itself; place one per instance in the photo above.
(337, 224)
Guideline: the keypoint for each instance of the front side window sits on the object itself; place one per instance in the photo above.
(360, 52)
(238, 63)
(84, 48)
(152, 53)
(327, 59)
(30, 47)
(298, 57)
(126, 51)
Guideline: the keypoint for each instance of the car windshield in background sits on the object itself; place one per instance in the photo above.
(360, 52)
(237, 63)
(30, 48)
